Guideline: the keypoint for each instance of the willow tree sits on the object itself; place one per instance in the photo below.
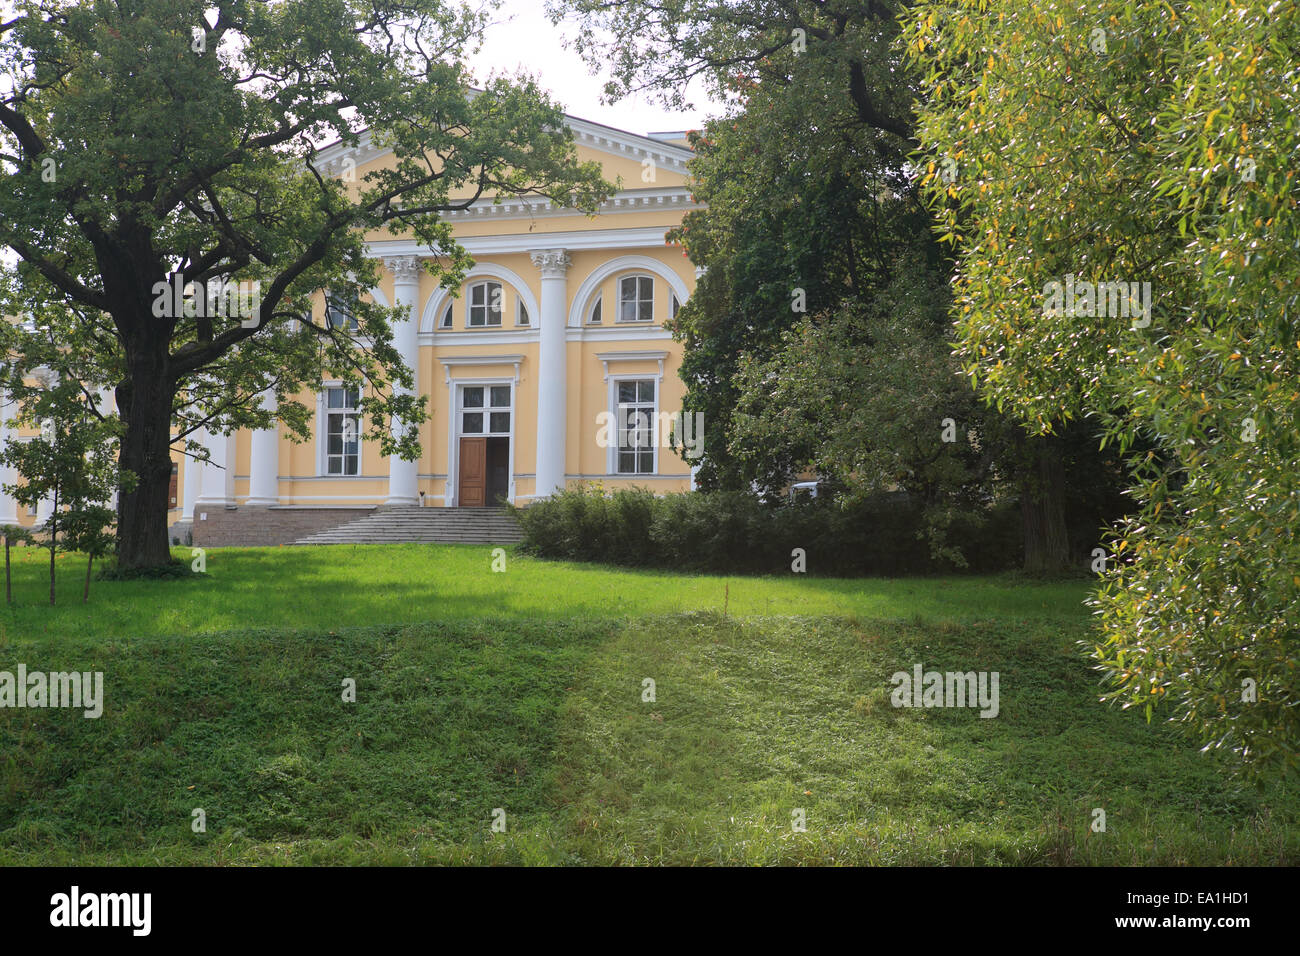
(1078, 146)
(148, 145)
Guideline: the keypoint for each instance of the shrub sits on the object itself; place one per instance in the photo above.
(733, 532)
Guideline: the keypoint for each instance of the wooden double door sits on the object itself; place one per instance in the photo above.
(484, 471)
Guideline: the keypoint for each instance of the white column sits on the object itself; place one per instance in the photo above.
(552, 382)
(403, 475)
(264, 461)
(106, 400)
(8, 507)
(212, 480)
(191, 471)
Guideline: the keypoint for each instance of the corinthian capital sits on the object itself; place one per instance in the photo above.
(403, 268)
(553, 263)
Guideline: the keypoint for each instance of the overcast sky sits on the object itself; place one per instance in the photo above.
(523, 37)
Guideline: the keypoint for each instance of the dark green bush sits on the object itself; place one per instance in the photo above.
(733, 532)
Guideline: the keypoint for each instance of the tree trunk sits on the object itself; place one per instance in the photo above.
(145, 405)
(1042, 507)
(85, 592)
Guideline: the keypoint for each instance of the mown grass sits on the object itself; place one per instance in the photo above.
(527, 695)
(330, 587)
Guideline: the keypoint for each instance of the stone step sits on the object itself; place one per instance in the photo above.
(424, 525)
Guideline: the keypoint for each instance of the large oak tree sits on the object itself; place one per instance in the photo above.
(176, 141)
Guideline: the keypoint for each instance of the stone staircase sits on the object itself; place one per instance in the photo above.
(398, 525)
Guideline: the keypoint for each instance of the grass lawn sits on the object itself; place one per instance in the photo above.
(523, 691)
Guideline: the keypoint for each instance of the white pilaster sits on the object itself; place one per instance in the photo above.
(264, 461)
(212, 480)
(8, 507)
(552, 383)
(191, 471)
(403, 475)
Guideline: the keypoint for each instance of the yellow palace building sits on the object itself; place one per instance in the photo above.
(557, 331)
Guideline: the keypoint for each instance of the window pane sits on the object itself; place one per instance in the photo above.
(500, 396)
(523, 315)
(627, 391)
(645, 311)
(354, 397)
(334, 397)
(647, 463)
(472, 423)
(646, 390)
(477, 294)
(446, 318)
(595, 313)
(499, 422)
(350, 464)
(473, 397)
(626, 462)
(335, 443)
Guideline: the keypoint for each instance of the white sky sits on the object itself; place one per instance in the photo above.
(522, 37)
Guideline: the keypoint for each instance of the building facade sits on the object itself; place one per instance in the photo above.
(557, 335)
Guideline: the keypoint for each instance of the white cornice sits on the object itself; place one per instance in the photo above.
(640, 356)
(448, 361)
(646, 237)
(628, 200)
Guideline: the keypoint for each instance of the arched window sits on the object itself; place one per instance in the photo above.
(636, 300)
(594, 317)
(676, 306)
(445, 321)
(485, 304)
(521, 313)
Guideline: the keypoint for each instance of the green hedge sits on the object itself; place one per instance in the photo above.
(732, 532)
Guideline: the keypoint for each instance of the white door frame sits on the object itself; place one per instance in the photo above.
(454, 388)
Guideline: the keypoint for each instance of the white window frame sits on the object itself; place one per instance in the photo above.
(486, 285)
(523, 319)
(615, 445)
(352, 325)
(485, 409)
(591, 313)
(322, 432)
(637, 277)
(447, 319)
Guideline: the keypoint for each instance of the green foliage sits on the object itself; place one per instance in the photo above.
(71, 463)
(1144, 142)
(734, 532)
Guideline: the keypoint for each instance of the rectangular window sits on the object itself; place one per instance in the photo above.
(339, 313)
(485, 410)
(342, 431)
(636, 426)
(484, 304)
(636, 299)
